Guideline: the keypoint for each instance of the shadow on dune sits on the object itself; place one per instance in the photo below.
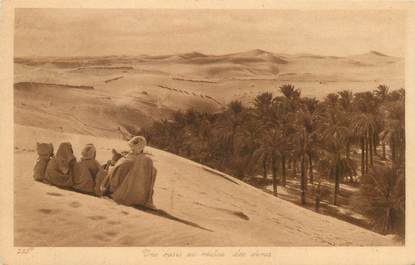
(167, 215)
(238, 214)
(220, 174)
(157, 212)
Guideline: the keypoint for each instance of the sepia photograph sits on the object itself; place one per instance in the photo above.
(172, 127)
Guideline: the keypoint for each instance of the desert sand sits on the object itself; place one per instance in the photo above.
(86, 99)
(200, 207)
(94, 95)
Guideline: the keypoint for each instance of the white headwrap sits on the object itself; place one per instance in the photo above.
(137, 144)
(89, 152)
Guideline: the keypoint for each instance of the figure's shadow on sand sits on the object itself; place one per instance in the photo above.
(158, 212)
(162, 213)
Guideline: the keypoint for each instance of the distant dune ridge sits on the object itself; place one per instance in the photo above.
(252, 63)
(119, 90)
(31, 85)
(256, 55)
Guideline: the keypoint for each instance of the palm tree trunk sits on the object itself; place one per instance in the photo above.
(336, 184)
(383, 150)
(232, 149)
(370, 138)
(283, 182)
(366, 155)
(302, 180)
(317, 205)
(305, 172)
(295, 168)
(401, 149)
(388, 221)
(375, 143)
(348, 150)
(274, 175)
(311, 169)
(264, 167)
(340, 178)
(393, 152)
(362, 165)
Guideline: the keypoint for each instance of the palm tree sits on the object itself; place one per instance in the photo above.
(346, 105)
(287, 108)
(346, 100)
(382, 93)
(303, 179)
(290, 92)
(267, 151)
(394, 132)
(252, 134)
(323, 169)
(301, 147)
(383, 198)
(333, 134)
(262, 153)
(309, 117)
(229, 126)
(275, 138)
(235, 109)
(363, 127)
(281, 114)
(262, 104)
(381, 96)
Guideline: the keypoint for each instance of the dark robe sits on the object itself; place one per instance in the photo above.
(60, 169)
(117, 163)
(45, 153)
(84, 176)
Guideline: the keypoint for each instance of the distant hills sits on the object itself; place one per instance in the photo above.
(235, 65)
(137, 90)
(254, 55)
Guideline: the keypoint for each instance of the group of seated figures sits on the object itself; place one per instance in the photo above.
(128, 178)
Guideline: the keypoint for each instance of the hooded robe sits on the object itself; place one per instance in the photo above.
(86, 170)
(131, 181)
(102, 178)
(59, 171)
(135, 187)
(45, 152)
(108, 180)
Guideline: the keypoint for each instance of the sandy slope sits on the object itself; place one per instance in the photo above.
(151, 87)
(201, 208)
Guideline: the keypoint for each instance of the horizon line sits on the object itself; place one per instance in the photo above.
(207, 54)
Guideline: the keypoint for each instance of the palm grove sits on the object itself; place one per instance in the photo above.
(357, 139)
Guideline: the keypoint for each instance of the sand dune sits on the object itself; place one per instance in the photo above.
(243, 64)
(100, 109)
(199, 207)
(77, 110)
(219, 78)
(24, 86)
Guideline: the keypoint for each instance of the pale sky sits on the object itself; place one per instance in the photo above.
(95, 32)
